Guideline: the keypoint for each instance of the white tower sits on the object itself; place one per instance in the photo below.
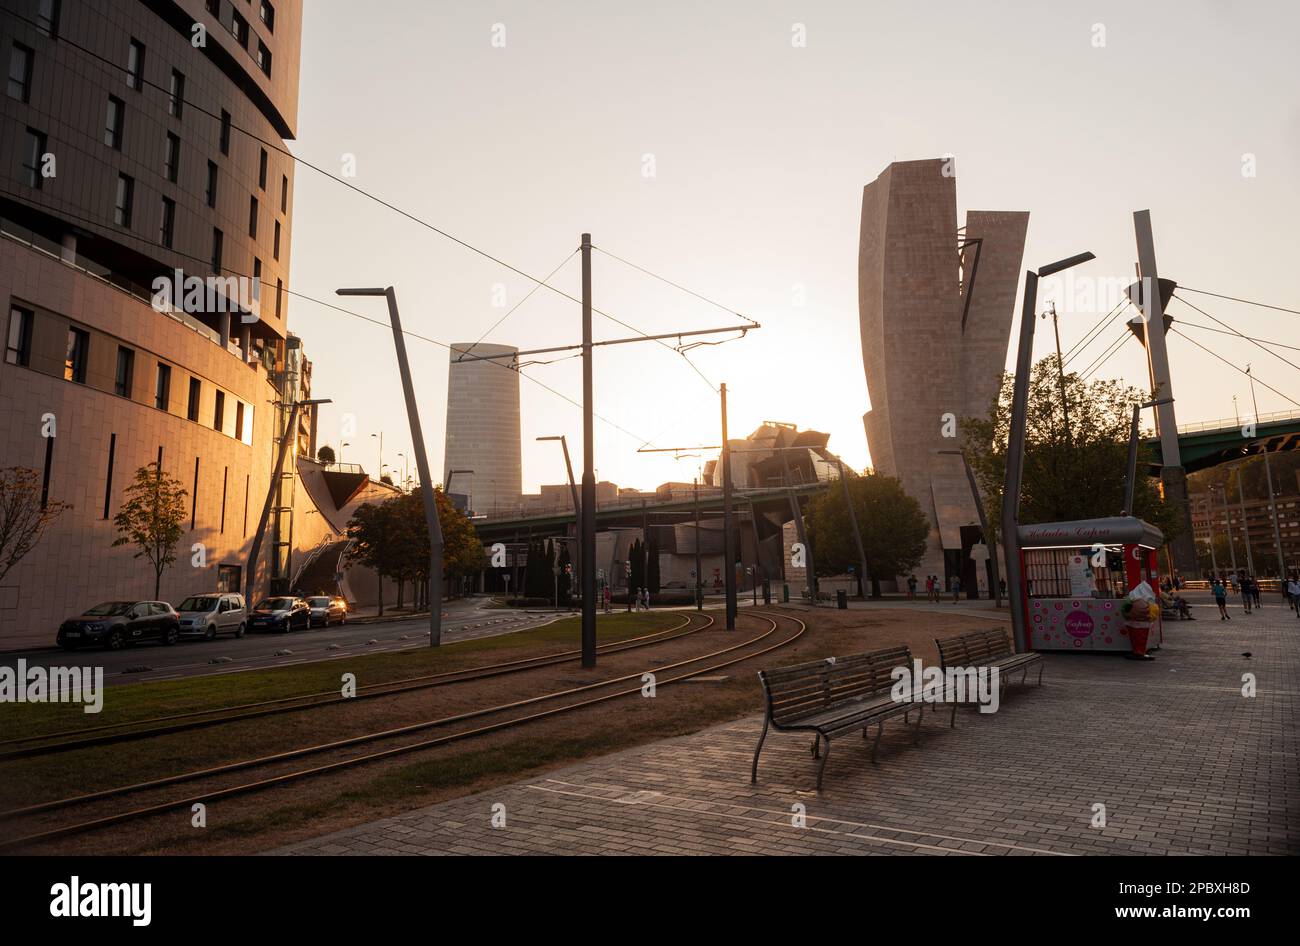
(483, 429)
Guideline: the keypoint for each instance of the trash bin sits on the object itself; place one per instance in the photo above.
(767, 592)
(842, 599)
(785, 593)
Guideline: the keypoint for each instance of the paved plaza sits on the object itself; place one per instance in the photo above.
(1183, 762)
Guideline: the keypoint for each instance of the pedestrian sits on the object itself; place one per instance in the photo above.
(956, 588)
(1246, 597)
(1293, 594)
(1221, 599)
(607, 599)
(911, 586)
(646, 593)
(935, 588)
(1002, 586)
(1254, 591)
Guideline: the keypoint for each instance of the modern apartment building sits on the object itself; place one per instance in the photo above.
(145, 208)
(483, 428)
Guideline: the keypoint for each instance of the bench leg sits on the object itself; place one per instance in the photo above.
(753, 773)
(916, 731)
(821, 767)
(816, 749)
(880, 731)
(1041, 664)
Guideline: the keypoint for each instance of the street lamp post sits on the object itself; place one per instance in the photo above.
(1272, 501)
(421, 461)
(380, 435)
(984, 525)
(1245, 526)
(1227, 524)
(577, 506)
(1130, 480)
(1016, 443)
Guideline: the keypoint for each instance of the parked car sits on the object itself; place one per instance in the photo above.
(280, 614)
(212, 614)
(114, 624)
(327, 610)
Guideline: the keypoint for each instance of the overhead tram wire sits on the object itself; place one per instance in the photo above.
(1174, 328)
(526, 297)
(665, 279)
(357, 315)
(1210, 328)
(1237, 333)
(1115, 345)
(117, 67)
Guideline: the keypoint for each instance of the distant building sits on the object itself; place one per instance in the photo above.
(483, 428)
(936, 304)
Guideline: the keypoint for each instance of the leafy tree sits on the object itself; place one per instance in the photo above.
(894, 528)
(325, 454)
(1081, 477)
(23, 520)
(376, 541)
(637, 555)
(565, 580)
(151, 518)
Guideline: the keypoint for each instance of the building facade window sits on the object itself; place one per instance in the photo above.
(214, 7)
(225, 132)
(176, 94)
(196, 393)
(218, 240)
(35, 153)
(47, 17)
(239, 28)
(162, 387)
(167, 226)
(279, 293)
(275, 246)
(261, 170)
(74, 361)
(267, 13)
(125, 369)
(211, 191)
(125, 201)
(264, 58)
(239, 420)
(172, 158)
(284, 193)
(20, 73)
(18, 343)
(135, 65)
(113, 121)
(252, 217)
(219, 411)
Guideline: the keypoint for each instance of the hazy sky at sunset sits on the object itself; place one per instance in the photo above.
(760, 152)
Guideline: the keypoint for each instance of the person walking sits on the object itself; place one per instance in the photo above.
(935, 588)
(956, 588)
(1221, 599)
(646, 593)
(911, 586)
(929, 588)
(1246, 597)
(1293, 594)
(1254, 591)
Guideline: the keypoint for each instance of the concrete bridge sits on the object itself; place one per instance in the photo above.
(1213, 442)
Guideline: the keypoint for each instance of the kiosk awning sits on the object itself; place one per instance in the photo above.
(1116, 530)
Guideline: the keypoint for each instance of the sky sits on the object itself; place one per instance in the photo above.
(724, 146)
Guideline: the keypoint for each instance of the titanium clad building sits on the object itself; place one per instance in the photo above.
(483, 429)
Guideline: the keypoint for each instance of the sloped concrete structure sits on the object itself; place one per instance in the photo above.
(936, 305)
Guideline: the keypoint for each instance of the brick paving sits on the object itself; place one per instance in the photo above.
(1182, 761)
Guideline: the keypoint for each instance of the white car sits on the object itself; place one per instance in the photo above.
(212, 614)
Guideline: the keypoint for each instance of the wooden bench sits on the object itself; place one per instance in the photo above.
(989, 648)
(834, 696)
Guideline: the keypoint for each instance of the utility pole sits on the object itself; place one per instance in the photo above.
(1245, 526)
(728, 541)
(588, 543)
(421, 461)
(699, 588)
(797, 512)
(1060, 371)
(857, 533)
(1209, 524)
(1172, 473)
(1268, 475)
(1227, 524)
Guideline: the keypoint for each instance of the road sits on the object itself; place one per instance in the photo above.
(191, 657)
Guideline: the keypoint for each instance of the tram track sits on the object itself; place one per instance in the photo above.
(73, 739)
(521, 712)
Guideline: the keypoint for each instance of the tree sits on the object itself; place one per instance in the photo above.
(23, 519)
(151, 518)
(374, 536)
(636, 555)
(325, 454)
(894, 529)
(1081, 477)
(564, 580)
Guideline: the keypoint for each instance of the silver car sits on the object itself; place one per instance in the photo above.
(212, 614)
(327, 610)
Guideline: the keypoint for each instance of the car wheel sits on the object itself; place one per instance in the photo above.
(211, 633)
(67, 645)
(114, 641)
(239, 632)
(343, 619)
(172, 633)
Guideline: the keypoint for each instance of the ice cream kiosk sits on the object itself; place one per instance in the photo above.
(1076, 577)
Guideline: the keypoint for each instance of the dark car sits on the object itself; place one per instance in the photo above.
(114, 624)
(280, 614)
(327, 610)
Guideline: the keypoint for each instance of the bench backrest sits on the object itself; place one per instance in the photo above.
(973, 649)
(804, 689)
